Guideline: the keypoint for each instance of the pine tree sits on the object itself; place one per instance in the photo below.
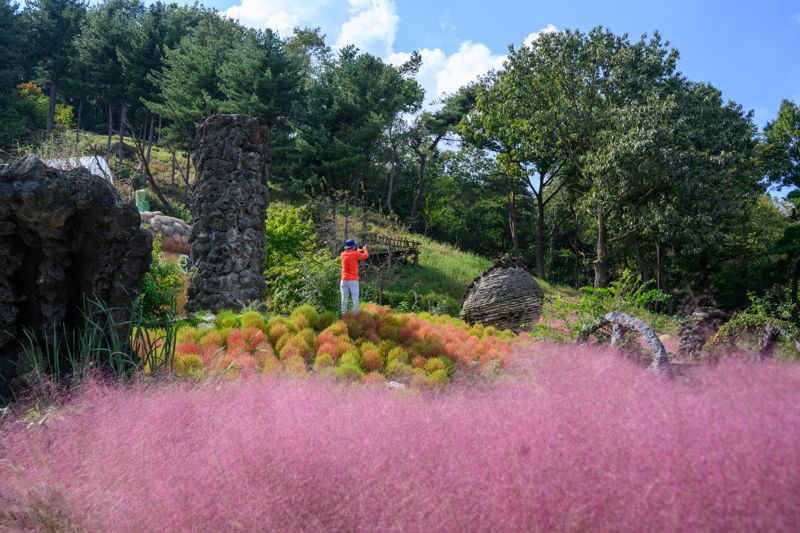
(54, 24)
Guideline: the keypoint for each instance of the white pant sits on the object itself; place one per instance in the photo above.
(349, 288)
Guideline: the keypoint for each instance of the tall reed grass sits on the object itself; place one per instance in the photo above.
(568, 440)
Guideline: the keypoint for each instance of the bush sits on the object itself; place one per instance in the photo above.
(158, 294)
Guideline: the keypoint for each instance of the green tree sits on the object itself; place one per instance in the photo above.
(509, 122)
(106, 38)
(429, 130)
(342, 126)
(12, 54)
(780, 147)
(54, 25)
(260, 79)
(189, 85)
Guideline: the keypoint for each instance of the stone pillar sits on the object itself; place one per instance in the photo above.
(229, 207)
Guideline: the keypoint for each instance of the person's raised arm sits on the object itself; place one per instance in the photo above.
(363, 253)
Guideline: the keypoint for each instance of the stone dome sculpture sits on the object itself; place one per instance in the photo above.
(505, 296)
(174, 231)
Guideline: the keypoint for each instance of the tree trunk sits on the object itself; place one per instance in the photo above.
(149, 143)
(644, 270)
(122, 114)
(110, 130)
(391, 190)
(412, 223)
(78, 122)
(601, 261)
(346, 217)
(540, 238)
(576, 243)
(174, 160)
(51, 108)
(512, 220)
(187, 180)
(335, 221)
(795, 279)
(158, 142)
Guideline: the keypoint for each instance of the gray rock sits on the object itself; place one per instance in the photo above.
(73, 238)
(229, 206)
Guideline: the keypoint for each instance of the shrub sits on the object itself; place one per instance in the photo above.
(253, 318)
(161, 285)
(397, 354)
(438, 378)
(435, 364)
(226, 319)
(308, 312)
(371, 358)
(322, 360)
(348, 372)
(326, 318)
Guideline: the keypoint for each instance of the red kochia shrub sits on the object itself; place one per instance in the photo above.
(568, 440)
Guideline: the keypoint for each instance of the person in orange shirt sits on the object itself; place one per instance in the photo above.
(349, 285)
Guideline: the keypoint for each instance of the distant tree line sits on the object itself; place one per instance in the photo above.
(586, 154)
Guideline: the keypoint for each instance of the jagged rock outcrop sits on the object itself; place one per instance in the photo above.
(174, 232)
(65, 235)
(697, 328)
(229, 206)
(505, 296)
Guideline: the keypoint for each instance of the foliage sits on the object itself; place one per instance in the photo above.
(746, 328)
(563, 318)
(163, 282)
(181, 211)
(421, 350)
(780, 150)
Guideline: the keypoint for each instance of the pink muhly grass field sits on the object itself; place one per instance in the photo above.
(570, 440)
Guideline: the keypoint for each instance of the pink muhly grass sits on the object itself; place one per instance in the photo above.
(566, 439)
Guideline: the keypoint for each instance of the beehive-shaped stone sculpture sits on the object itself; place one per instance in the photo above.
(505, 296)
(174, 232)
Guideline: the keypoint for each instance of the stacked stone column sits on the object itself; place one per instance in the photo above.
(229, 207)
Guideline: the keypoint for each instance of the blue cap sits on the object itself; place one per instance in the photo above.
(349, 243)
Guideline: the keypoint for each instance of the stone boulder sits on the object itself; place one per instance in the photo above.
(65, 235)
(229, 207)
(174, 231)
(505, 296)
(698, 328)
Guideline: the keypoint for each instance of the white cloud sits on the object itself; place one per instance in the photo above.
(371, 27)
(470, 62)
(441, 74)
(280, 15)
(531, 38)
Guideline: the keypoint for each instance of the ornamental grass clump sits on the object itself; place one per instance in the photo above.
(571, 440)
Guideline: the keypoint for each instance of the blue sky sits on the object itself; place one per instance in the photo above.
(749, 50)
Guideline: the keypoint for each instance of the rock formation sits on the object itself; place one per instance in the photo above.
(174, 231)
(622, 322)
(229, 206)
(697, 328)
(65, 235)
(505, 296)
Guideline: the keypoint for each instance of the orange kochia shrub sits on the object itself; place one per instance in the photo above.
(420, 349)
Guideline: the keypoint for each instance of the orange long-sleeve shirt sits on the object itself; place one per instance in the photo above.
(350, 259)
